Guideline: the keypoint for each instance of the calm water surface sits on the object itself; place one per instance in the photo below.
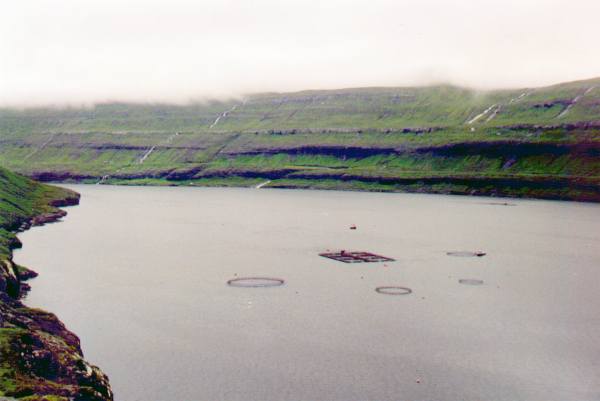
(140, 275)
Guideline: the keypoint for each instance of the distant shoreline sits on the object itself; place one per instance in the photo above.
(325, 186)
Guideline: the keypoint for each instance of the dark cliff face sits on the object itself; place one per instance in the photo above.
(39, 356)
(45, 358)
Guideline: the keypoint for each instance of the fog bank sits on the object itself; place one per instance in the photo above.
(70, 52)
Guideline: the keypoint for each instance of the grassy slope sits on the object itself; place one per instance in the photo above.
(111, 139)
(22, 199)
(39, 358)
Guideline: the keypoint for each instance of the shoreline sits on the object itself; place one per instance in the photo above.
(41, 358)
(346, 186)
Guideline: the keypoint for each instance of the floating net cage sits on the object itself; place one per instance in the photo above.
(470, 281)
(356, 257)
(256, 282)
(466, 254)
(393, 290)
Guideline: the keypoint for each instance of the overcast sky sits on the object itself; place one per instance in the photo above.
(73, 51)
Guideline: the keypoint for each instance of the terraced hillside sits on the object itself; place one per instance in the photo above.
(542, 142)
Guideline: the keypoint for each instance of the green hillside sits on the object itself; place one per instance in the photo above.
(39, 358)
(536, 142)
(22, 199)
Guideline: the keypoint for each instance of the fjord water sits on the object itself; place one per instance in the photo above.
(140, 275)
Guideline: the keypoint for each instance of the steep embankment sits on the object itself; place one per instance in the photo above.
(528, 142)
(39, 358)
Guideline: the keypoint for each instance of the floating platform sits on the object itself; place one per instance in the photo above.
(355, 257)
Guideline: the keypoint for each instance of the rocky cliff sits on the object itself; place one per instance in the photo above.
(40, 359)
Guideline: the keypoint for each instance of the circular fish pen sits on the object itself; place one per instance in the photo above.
(470, 281)
(255, 282)
(393, 290)
(465, 254)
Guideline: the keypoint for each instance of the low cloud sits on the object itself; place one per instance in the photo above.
(74, 52)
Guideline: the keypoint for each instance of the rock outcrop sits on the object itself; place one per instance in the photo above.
(40, 359)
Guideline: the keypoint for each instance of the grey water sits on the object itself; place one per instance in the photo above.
(140, 273)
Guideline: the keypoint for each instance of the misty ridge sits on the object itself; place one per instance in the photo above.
(470, 94)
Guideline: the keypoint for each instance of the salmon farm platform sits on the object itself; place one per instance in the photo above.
(355, 257)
